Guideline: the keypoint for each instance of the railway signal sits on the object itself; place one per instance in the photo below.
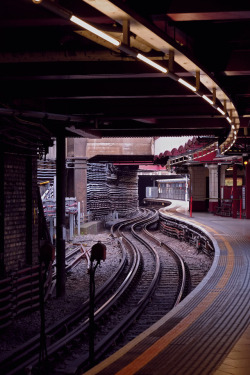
(245, 159)
(98, 253)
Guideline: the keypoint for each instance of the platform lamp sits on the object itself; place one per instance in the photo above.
(98, 253)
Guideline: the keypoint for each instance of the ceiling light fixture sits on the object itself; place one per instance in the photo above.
(150, 62)
(221, 111)
(186, 84)
(228, 119)
(94, 30)
(116, 43)
(207, 99)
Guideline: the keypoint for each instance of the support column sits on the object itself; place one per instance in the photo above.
(80, 145)
(223, 175)
(70, 184)
(29, 211)
(198, 187)
(60, 215)
(235, 201)
(221, 181)
(2, 267)
(247, 178)
(213, 187)
(219, 185)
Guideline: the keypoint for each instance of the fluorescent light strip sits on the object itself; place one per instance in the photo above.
(152, 63)
(228, 119)
(207, 99)
(95, 31)
(187, 84)
(113, 41)
(221, 111)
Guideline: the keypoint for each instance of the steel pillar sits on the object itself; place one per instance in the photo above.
(219, 184)
(60, 215)
(247, 171)
(2, 267)
(29, 211)
(235, 203)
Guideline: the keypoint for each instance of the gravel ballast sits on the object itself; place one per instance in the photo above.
(77, 288)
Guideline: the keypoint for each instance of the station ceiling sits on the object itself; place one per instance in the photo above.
(55, 75)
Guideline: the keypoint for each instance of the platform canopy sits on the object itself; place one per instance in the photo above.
(57, 75)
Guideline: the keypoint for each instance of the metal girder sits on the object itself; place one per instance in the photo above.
(67, 76)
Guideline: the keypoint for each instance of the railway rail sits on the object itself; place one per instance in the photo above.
(128, 312)
(172, 284)
(184, 276)
(27, 356)
(65, 337)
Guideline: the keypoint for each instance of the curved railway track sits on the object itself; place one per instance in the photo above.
(120, 302)
(184, 275)
(61, 334)
(134, 304)
(173, 282)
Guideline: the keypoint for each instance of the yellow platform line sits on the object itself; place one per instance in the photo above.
(165, 340)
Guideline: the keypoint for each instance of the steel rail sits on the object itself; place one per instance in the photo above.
(75, 333)
(33, 344)
(180, 261)
(128, 320)
(16, 360)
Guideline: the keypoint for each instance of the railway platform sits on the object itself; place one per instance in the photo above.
(209, 331)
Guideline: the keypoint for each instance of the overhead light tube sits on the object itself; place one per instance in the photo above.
(95, 31)
(207, 99)
(113, 41)
(152, 63)
(221, 111)
(186, 84)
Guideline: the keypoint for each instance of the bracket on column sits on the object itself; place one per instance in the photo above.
(171, 61)
(198, 73)
(126, 31)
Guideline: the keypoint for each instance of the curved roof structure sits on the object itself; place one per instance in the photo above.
(171, 68)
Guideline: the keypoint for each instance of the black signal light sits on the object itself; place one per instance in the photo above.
(245, 159)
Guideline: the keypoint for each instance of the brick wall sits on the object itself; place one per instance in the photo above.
(20, 203)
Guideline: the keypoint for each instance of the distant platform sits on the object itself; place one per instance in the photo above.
(170, 204)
